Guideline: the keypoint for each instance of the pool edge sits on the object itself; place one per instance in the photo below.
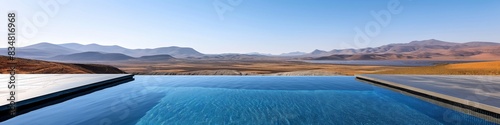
(31, 104)
(489, 113)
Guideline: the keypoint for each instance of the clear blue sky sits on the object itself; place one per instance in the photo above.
(265, 26)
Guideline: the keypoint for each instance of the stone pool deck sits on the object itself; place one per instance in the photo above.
(480, 93)
(34, 91)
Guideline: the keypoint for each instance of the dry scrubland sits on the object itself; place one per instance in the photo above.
(242, 67)
(301, 68)
(245, 68)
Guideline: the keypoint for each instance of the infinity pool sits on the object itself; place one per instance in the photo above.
(188, 100)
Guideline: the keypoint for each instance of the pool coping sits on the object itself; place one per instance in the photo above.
(34, 103)
(485, 109)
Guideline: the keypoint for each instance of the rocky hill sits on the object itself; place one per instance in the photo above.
(29, 66)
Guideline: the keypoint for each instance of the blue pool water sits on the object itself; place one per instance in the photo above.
(156, 100)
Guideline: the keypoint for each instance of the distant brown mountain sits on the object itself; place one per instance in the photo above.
(100, 57)
(40, 50)
(48, 50)
(156, 58)
(426, 49)
(178, 52)
(29, 66)
(92, 56)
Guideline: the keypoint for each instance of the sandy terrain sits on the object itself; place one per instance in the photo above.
(298, 68)
(208, 67)
(242, 67)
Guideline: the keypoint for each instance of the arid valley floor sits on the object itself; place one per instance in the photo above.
(244, 67)
(300, 68)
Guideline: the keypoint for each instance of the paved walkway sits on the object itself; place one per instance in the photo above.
(481, 92)
(43, 86)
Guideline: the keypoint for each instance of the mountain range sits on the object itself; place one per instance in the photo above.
(175, 51)
(425, 49)
(99, 56)
(58, 51)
